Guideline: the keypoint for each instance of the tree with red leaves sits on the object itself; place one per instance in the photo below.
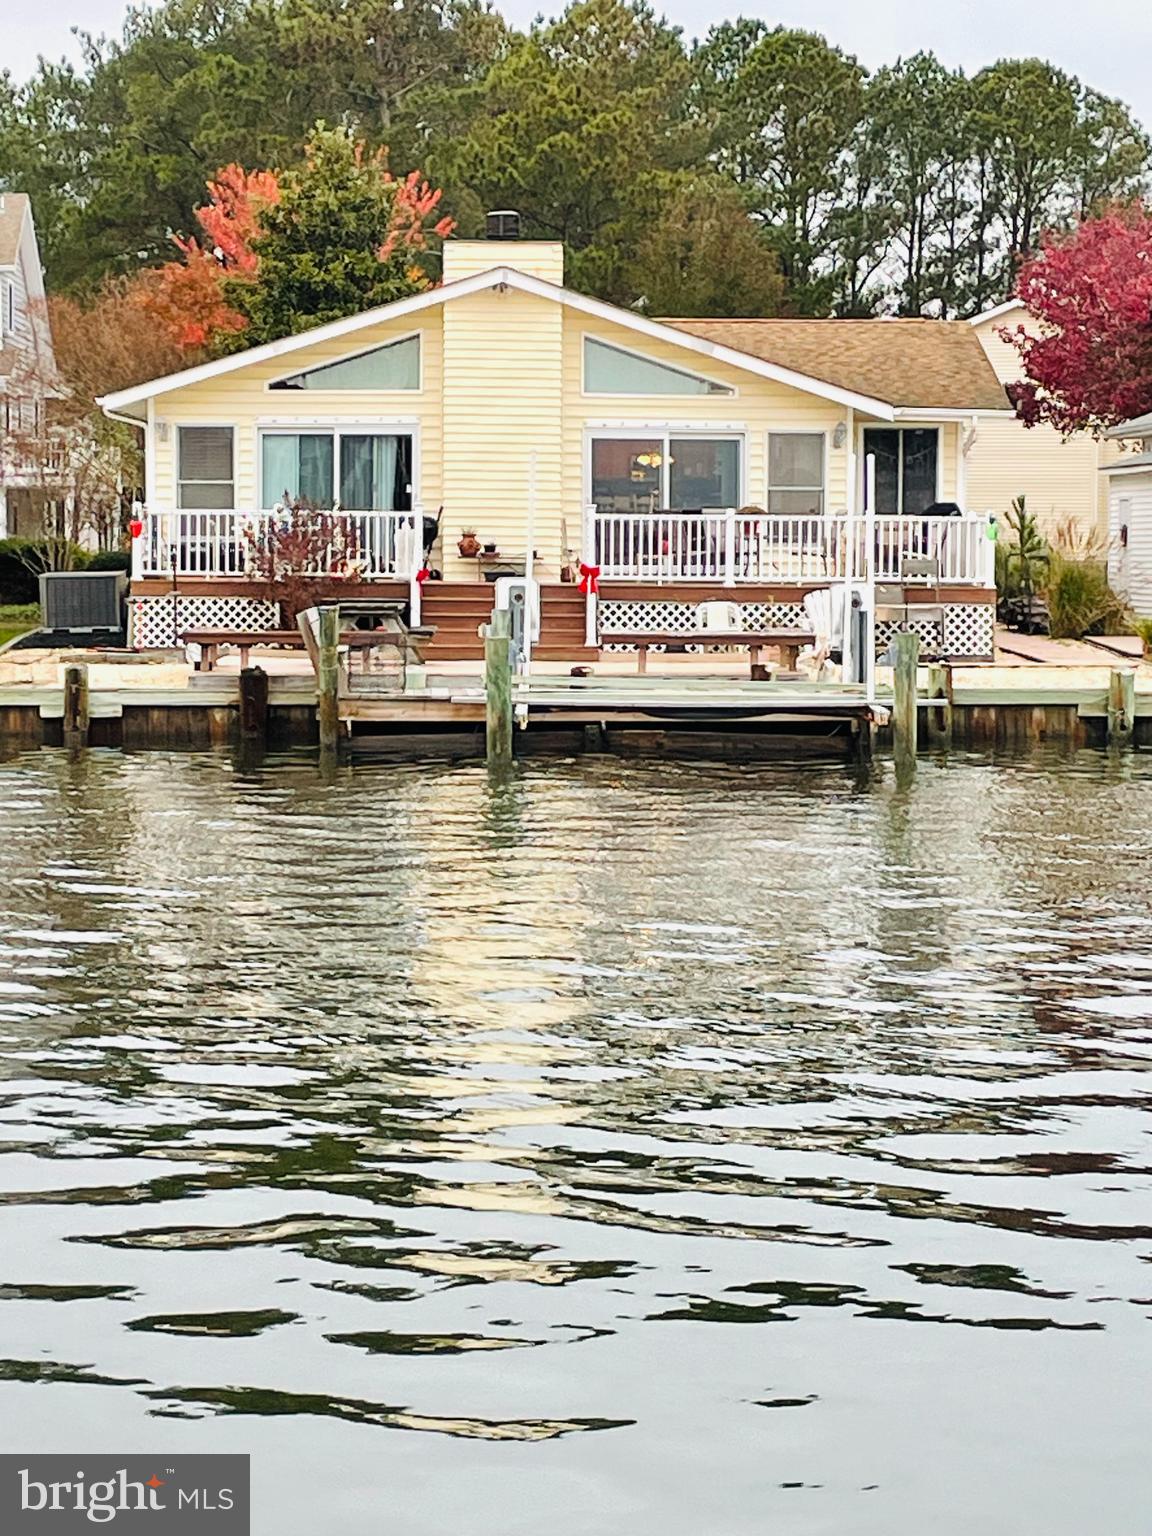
(1088, 359)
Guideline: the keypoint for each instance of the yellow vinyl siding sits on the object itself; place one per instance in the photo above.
(1059, 478)
(502, 402)
(539, 258)
(242, 399)
(757, 407)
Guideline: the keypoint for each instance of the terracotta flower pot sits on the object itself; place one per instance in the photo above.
(469, 545)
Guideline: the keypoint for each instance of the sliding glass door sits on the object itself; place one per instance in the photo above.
(359, 471)
(907, 461)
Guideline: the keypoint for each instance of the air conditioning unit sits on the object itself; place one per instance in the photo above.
(82, 600)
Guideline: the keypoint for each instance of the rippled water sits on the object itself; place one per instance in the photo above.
(650, 1149)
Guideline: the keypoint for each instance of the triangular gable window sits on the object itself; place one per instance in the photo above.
(613, 371)
(395, 366)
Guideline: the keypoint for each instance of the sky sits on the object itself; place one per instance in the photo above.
(1108, 44)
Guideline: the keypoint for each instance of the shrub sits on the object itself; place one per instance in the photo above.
(22, 560)
(1143, 627)
(110, 560)
(1080, 601)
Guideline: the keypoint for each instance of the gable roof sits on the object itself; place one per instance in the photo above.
(805, 367)
(927, 365)
(997, 312)
(13, 209)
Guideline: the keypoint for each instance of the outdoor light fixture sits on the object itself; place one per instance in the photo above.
(840, 434)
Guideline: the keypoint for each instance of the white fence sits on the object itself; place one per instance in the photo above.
(227, 543)
(731, 547)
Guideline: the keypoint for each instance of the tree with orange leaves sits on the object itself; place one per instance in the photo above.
(279, 253)
(344, 235)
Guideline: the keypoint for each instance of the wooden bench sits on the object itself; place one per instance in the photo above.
(786, 642)
(410, 642)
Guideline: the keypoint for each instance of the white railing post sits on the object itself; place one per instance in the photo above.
(589, 557)
(142, 516)
(729, 572)
(416, 565)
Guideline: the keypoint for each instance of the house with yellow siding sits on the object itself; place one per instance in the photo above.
(629, 469)
(1061, 479)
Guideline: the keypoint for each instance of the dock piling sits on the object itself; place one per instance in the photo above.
(498, 688)
(328, 678)
(254, 706)
(1121, 705)
(940, 717)
(905, 658)
(76, 706)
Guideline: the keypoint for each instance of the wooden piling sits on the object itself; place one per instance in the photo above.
(254, 706)
(1121, 705)
(498, 688)
(76, 706)
(940, 687)
(328, 679)
(905, 657)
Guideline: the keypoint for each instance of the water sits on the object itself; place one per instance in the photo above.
(669, 1150)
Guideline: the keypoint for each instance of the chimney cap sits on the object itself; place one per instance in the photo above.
(502, 224)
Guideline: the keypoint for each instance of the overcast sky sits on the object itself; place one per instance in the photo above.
(1108, 43)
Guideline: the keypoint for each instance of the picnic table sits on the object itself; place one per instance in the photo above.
(410, 642)
(786, 642)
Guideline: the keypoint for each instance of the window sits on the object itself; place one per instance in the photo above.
(205, 467)
(362, 471)
(659, 471)
(395, 366)
(612, 371)
(795, 474)
(906, 468)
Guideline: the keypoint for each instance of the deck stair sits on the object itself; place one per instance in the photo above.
(457, 609)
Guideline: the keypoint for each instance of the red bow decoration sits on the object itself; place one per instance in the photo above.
(589, 578)
(136, 527)
(422, 576)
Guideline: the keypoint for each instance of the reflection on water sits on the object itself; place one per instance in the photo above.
(405, 1101)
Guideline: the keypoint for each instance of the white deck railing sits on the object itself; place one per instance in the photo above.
(731, 547)
(222, 544)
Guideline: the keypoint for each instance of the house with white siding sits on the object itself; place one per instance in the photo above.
(27, 366)
(1059, 477)
(630, 468)
(1129, 488)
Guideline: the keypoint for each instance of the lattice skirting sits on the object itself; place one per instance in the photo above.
(156, 623)
(967, 627)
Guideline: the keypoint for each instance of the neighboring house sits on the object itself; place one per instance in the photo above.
(27, 368)
(1059, 477)
(682, 459)
(1129, 490)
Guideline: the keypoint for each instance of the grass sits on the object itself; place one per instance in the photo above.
(17, 619)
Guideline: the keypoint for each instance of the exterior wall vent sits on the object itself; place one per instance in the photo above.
(503, 224)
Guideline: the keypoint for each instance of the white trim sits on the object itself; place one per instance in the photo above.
(996, 311)
(666, 431)
(932, 416)
(336, 430)
(350, 357)
(1127, 469)
(367, 423)
(1137, 426)
(496, 277)
(150, 457)
(723, 391)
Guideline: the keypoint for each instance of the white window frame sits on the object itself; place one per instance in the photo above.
(902, 426)
(8, 320)
(819, 432)
(349, 357)
(179, 427)
(723, 391)
(336, 430)
(665, 431)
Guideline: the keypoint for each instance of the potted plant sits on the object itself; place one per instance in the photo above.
(491, 549)
(469, 544)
